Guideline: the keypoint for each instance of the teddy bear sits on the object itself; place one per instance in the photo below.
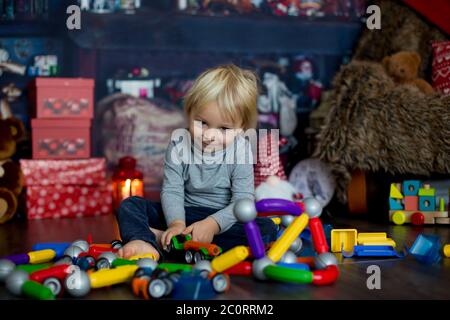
(11, 178)
(403, 67)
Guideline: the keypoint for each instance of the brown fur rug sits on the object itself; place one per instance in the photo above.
(376, 125)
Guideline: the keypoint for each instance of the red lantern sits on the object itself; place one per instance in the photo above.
(127, 181)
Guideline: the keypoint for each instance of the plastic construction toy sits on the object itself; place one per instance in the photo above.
(426, 249)
(265, 265)
(373, 251)
(362, 244)
(415, 203)
(193, 251)
(160, 282)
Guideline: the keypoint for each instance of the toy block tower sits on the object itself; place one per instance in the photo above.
(395, 197)
(411, 191)
(427, 201)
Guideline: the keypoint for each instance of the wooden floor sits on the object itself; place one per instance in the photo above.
(400, 278)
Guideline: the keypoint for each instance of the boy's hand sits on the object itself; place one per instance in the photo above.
(204, 230)
(174, 229)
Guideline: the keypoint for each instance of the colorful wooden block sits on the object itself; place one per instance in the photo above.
(400, 217)
(442, 220)
(427, 203)
(441, 204)
(395, 204)
(395, 191)
(343, 239)
(411, 203)
(411, 187)
(427, 191)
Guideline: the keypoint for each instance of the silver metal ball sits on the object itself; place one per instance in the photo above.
(296, 246)
(313, 208)
(82, 244)
(73, 251)
(245, 210)
(259, 266)
(108, 256)
(325, 259)
(15, 281)
(203, 265)
(77, 284)
(6, 267)
(64, 260)
(147, 263)
(289, 257)
(287, 220)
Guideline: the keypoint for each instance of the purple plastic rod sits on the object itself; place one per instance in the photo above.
(21, 258)
(278, 205)
(254, 239)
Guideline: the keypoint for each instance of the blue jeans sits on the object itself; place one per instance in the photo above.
(137, 214)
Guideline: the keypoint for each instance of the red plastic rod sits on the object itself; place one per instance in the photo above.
(318, 236)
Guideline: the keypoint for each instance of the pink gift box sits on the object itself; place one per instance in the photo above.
(61, 138)
(63, 97)
(66, 188)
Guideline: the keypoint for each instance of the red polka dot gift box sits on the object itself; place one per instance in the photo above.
(66, 188)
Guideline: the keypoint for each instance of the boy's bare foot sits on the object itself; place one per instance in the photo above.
(137, 247)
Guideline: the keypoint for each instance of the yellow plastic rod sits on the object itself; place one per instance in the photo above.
(289, 235)
(41, 256)
(143, 256)
(230, 258)
(109, 277)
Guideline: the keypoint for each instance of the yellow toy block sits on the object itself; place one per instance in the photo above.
(343, 239)
(387, 242)
(427, 191)
(230, 258)
(371, 236)
(395, 192)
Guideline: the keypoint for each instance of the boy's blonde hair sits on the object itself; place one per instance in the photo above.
(235, 91)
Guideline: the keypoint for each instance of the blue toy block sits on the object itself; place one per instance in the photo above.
(427, 203)
(395, 205)
(191, 286)
(411, 187)
(373, 251)
(426, 249)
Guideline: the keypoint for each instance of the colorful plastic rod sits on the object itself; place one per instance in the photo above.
(289, 235)
(243, 268)
(173, 267)
(41, 256)
(325, 277)
(18, 259)
(446, 250)
(58, 247)
(298, 266)
(254, 239)
(229, 258)
(59, 272)
(280, 206)
(36, 290)
(318, 235)
(109, 277)
(30, 268)
(33, 257)
(285, 274)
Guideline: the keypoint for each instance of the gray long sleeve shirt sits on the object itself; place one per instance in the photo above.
(193, 179)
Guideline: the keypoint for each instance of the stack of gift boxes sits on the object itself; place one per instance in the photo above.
(62, 179)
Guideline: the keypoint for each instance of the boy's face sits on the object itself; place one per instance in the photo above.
(210, 130)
